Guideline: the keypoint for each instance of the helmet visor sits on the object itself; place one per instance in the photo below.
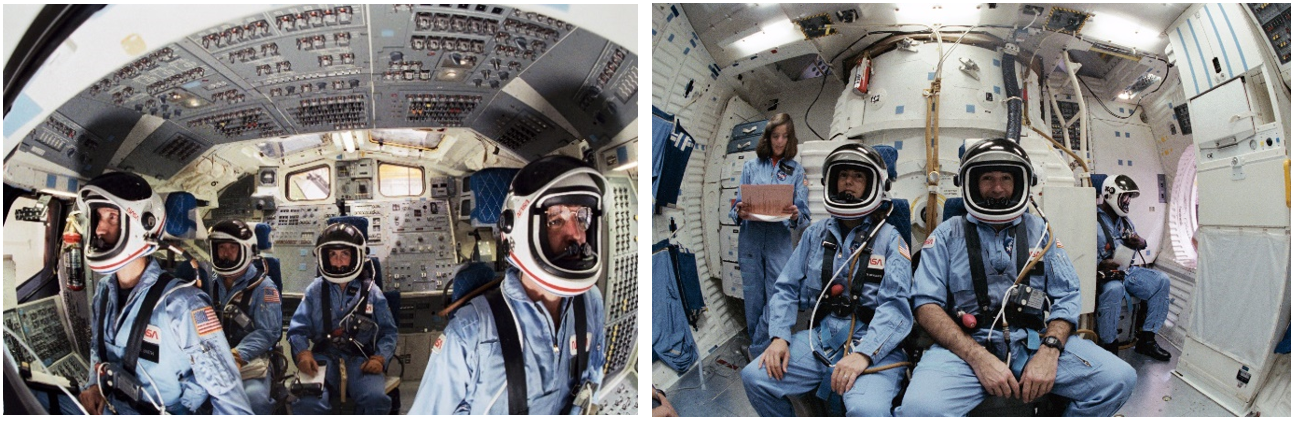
(850, 184)
(108, 228)
(227, 255)
(1123, 200)
(997, 187)
(568, 231)
(338, 260)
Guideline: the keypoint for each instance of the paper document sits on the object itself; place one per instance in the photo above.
(1123, 256)
(769, 200)
(318, 378)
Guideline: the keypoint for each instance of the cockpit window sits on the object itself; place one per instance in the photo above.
(309, 184)
(399, 181)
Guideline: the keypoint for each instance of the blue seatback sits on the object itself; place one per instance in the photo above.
(182, 223)
(468, 277)
(180, 219)
(262, 231)
(489, 188)
(1096, 180)
(900, 218)
(362, 223)
(954, 207)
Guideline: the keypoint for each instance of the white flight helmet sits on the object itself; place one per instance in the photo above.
(340, 236)
(860, 158)
(140, 219)
(995, 155)
(1118, 191)
(555, 193)
(236, 232)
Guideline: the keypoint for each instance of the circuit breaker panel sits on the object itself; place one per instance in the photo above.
(621, 290)
(317, 68)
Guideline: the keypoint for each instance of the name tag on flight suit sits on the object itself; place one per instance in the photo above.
(152, 340)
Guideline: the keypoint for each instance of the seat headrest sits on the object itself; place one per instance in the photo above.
(1096, 181)
(262, 231)
(954, 207)
(889, 156)
(182, 215)
(900, 218)
(360, 222)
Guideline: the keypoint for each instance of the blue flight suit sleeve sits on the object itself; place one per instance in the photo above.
(303, 327)
(800, 192)
(197, 327)
(782, 307)
(452, 366)
(268, 318)
(1063, 286)
(386, 323)
(893, 318)
(744, 179)
(932, 276)
(101, 288)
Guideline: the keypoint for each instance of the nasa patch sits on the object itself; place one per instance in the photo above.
(152, 335)
(928, 243)
(369, 308)
(571, 346)
(151, 345)
(1035, 252)
(877, 261)
(436, 346)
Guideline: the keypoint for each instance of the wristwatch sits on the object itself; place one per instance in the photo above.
(1052, 342)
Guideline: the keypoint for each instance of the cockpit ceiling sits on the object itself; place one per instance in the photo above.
(527, 81)
(724, 29)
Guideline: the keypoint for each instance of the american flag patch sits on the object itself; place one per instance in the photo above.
(902, 248)
(272, 296)
(205, 321)
(1058, 244)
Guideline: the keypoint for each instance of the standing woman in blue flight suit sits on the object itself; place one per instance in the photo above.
(547, 304)
(169, 358)
(249, 306)
(343, 317)
(764, 246)
(855, 183)
(1149, 285)
(968, 268)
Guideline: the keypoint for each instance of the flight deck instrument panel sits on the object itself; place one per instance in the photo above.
(41, 326)
(316, 68)
(621, 291)
(412, 238)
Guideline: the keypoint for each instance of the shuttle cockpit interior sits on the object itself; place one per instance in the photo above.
(1155, 135)
(393, 130)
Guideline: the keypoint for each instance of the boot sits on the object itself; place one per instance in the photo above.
(1146, 344)
(1110, 346)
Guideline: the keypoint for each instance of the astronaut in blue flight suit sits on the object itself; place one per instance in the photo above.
(249, 306)
(1150, 285)
(764, 246)
(357, 328)
(550, 233)
(956, 374)
(855, 187)
(183, 358)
